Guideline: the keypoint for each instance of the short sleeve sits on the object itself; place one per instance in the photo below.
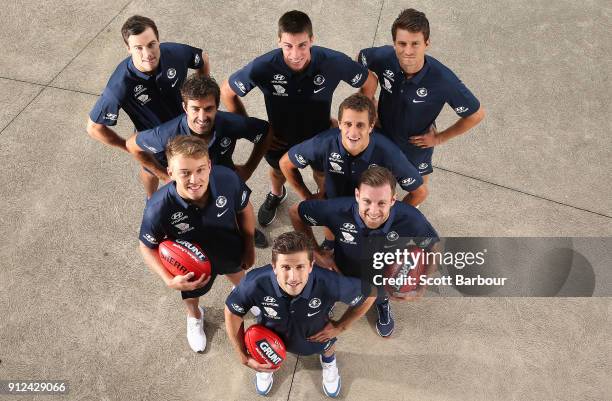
(194, 57)
(314, 212)
(151, 140)
(242, 81)
(352, 72)
(238, 302)
(304, 153)
(406, 174)
(243, 193)
(460, 98)
(366, 59)
(151, 233)
(255, 130)
(350, 291)
(106, 109)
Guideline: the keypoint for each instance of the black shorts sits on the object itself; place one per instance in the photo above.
(201, 291)
(274, 156)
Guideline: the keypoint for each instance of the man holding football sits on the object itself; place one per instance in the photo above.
(295, 297)
(205, 205)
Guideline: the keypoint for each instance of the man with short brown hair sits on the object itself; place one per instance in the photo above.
(206, 205)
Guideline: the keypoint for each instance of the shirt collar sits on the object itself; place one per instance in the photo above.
(421, 74)
(366, 155)
(309, 70)
(132, 68)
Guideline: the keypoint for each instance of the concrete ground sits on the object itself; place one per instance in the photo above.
(78, 304)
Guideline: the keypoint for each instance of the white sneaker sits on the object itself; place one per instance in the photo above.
(255, 311)
(331, 378)
(195, 332)
(263, 382)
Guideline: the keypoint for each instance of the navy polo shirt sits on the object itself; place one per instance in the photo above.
(325, 152)
(148, 100)
(213, 227)
(295, 319)
(298, 104)
(355, 243)
(227, 129)
(408, 107)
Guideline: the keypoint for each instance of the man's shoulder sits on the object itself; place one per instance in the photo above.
(118, 82)
(258, 276)
(439, 71)
(159, 201)
(384, 54)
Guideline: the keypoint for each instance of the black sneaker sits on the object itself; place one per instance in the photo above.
(260, 239)
(267, 211)
(385, 323)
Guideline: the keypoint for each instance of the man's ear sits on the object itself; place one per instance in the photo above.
(357, 194)
(184, 107)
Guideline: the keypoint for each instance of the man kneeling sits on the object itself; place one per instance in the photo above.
(295, 297)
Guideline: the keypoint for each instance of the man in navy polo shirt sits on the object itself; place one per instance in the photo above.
(344, 153)
(145, 85)
(295, 297)
(220, 129)
(298, 81)
(371, 221)
(206, 206)
(414, 89)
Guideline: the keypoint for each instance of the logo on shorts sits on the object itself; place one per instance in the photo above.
(389, 74)
(421, 92)
(356, 79)
(238, 308)
(314, 303)
(461, 109)
(319, 80)
(423, 166)
(111, 117)
(171, 73)
(336, 167)
(300, 159)
(280, 91)
(424, 243)
(349, 226)
(257, 138)
(408, 181)
(392, 236)
(225, 142)
(240, 86)
(196, 59)
(221, 201)
(310, 220)
(364, 61)
(387, 85)
(150, 238)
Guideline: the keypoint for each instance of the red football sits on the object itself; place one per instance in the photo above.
(180, 257)
(264, 345)
(396, 275)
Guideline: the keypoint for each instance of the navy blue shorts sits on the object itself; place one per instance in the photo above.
(201, 291)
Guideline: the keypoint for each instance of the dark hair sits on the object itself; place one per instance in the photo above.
(358, 102)
(413, 21)
(187, 145)
(199, 87)
(377, 176)
(292, 242)
(294, 22)
(137, 24)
